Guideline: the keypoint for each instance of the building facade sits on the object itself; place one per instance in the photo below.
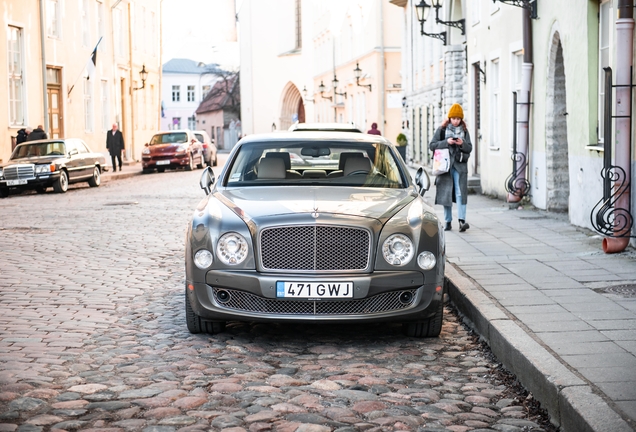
(533, 89)
(219, 113)
(320, 43)
(50, 82)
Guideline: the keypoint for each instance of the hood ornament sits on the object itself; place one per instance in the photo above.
(315, 213)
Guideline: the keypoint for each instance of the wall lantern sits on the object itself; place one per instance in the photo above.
(334, 83)
(305, 98)
(530, 5)
(143, 74)
(321, 89)
(358, 74)
(423, 9)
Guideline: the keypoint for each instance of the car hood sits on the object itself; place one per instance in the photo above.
(164, 148)
(259, 203)
(33, 160)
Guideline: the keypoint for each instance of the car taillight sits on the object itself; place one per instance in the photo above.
(205, 146)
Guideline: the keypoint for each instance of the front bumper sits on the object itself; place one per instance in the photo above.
(172, 161)
(251, 296)
(31, 183)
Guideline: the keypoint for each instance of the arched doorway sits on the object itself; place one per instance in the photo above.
(292, 109)
(557, 158)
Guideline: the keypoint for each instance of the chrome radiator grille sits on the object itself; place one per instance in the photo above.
(16, 172)
(315, 248)
(246, 302)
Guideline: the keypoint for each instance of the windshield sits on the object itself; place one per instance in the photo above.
(169, 138)
(39, 149)
(311, 162)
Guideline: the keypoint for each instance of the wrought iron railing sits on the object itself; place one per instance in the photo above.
(517, 183)
(605, 217)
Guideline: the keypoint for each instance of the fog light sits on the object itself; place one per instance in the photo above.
(426, 260)
(203, 259)
(223, 296)
(406, 297)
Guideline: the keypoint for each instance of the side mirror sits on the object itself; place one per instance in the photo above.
(207, 180)
(422, 180)
(146, 145)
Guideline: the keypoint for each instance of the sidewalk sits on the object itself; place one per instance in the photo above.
(128, 170)
(556, 311)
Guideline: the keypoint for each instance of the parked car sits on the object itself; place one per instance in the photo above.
(325, 127)
(38, 165)
(172, 149)
(209, 148)
(353, 241)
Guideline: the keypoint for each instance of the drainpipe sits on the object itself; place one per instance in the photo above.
(382, 91)
(45, 96)
(523, 100)
(116, 84)
(622, 138)
(133, 105)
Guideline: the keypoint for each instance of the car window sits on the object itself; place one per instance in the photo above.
(316, 162)
(169, 138)
(81, 146)
(199, 137)
(71, 145)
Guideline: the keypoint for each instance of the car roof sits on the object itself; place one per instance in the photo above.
(314, 136)
(173, 131)
(343, 127)
(47, 140)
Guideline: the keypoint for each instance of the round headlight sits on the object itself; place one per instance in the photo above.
(398, 250)
(203, 259)
(426, 260)
(145, 151)
(231, 249)
(40, 169)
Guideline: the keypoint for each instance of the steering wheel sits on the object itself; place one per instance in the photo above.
(358, 172)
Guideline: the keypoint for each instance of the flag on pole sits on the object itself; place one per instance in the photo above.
(91, 64)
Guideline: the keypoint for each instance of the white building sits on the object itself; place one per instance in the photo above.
(185, 83)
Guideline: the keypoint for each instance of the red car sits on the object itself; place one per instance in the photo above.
(172, 149)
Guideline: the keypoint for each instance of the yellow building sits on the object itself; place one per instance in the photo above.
(48, 80)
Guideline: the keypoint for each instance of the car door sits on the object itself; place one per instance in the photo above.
(74, 162)
(86, 161)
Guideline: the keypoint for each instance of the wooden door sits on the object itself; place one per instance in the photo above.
(56, 125)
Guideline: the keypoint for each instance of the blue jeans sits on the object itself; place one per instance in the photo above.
(461, 208)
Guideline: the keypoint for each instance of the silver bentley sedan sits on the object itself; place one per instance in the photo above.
(337, 232)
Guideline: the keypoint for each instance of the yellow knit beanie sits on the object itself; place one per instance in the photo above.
(456, 111)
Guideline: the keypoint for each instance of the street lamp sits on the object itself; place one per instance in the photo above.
(305, 98)
(143, 74)
(335, 82)
(460, 24)
(321, 89)
(422, 10)
(531, 5)
(358, 74)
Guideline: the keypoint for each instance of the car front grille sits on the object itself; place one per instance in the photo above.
(315, 248)
(16, 172)
(242, 301)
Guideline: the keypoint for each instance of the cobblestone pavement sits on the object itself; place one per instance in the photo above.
(93, 337)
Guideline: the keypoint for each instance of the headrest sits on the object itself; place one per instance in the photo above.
(346, 155)
(271, 168)
(357, 164)
(283, 155)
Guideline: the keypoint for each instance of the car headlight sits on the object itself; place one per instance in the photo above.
(231, 249)
(1, 172)
(145, 151)
(42, 169)
(398, 250)
(426, 260)
(203, 259)
(182, 149)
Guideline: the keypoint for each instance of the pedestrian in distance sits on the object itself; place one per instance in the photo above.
(22, 135)
(453, 185)
(37, 134)
(374, 130)
(115, 145)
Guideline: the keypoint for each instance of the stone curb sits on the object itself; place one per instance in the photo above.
(568, 399)
(123, 175)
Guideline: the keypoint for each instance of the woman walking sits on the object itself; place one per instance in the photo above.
(453, 185)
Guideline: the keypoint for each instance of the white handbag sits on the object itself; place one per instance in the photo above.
(441, 161)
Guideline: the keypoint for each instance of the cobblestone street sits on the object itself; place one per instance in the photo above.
(93, 337)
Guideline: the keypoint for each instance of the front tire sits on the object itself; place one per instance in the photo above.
(216, 160)
(190, 166)
(201, 163)
(61, 184)
(431, 327)
(96, 180)
(196, 324)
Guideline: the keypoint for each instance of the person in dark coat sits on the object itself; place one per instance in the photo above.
(453, 185)
(22, 135)
(115, 145)
(37, 134)
(374, 130)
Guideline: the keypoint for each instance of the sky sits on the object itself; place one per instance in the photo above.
(201, 30)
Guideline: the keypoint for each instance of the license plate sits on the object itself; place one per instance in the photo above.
(314, 289)
(16, 182)
(163, 162)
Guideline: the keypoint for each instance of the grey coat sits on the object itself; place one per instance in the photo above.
(444, 182)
